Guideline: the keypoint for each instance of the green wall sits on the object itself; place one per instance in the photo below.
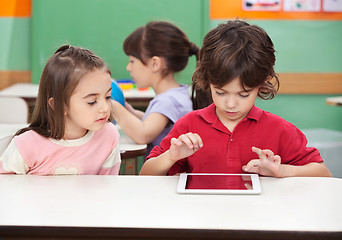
(302, 46)
(103, 25)
(15, 43)
(305, 111)
(308, 47)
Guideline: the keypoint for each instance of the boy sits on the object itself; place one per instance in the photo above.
(232, 135)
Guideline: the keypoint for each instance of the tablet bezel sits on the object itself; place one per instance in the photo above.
(183, 178)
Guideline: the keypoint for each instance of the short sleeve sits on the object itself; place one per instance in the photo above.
(11, 160)
(112, 163)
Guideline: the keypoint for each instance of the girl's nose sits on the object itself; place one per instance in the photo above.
(105, 106)
(128, 67)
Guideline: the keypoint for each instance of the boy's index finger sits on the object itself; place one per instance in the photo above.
(260, 153)
(256, 150)
(186, 140)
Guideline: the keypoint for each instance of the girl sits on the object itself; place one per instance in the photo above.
(156, 52)
(69, 132)
(232, 135)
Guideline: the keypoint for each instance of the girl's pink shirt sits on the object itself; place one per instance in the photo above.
(95, 153)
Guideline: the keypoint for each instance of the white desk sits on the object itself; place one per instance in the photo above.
(129, 149)
(7, 129)
(143, 207)
(336, 101)
(134, 94)
(29, 92)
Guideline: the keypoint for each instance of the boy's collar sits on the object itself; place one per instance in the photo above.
(209, 113)
(255, 113)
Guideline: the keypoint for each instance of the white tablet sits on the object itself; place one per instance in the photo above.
(217, 183)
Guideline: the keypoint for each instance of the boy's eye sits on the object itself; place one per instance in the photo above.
(219, 93)
(92, 103)
(244, 95)
(109, 97)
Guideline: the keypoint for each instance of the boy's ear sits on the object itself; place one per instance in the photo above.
(51, 103)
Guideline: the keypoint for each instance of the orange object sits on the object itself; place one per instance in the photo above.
(15, 8)
(224, 9)
(143, 89)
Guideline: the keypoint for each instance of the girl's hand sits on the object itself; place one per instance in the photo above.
(185, 145)
(268, 164)
(129, 107)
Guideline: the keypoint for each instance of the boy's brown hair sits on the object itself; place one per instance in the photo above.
(233, 50)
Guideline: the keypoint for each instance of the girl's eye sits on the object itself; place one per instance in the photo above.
(244, 95)
(92, 103)
(108, 97)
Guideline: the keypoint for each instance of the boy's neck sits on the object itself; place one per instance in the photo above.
(229, 124)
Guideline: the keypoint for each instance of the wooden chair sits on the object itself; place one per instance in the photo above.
(13, 110)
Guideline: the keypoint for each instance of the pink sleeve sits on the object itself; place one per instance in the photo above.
(112, 164)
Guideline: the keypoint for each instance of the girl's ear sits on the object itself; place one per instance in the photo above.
(51, 103)
(156, 63)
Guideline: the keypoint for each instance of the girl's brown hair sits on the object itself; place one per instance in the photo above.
(161, 39)
(60, 77)
(237, 49)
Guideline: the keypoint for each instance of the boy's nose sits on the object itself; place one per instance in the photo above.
(231, 102)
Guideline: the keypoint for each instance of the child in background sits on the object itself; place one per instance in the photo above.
(70, 132)
(156, 52)
(232, 135)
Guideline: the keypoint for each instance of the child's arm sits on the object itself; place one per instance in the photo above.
(269, 164)
(182, 147)
(141, 132)
(139, 114)
(112, 164)
(11, 160)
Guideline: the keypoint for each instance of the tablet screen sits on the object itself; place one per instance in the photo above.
(216, 183)
(219, 182)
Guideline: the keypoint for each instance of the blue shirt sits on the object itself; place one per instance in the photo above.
(173, 104)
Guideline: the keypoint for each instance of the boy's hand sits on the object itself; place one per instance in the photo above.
(268, 164)
(185, 145)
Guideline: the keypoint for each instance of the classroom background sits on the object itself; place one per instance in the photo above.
(308, 45)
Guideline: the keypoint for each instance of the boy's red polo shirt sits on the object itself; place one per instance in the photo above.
(226, 152)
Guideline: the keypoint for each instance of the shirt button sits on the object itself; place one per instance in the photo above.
(232, 139)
